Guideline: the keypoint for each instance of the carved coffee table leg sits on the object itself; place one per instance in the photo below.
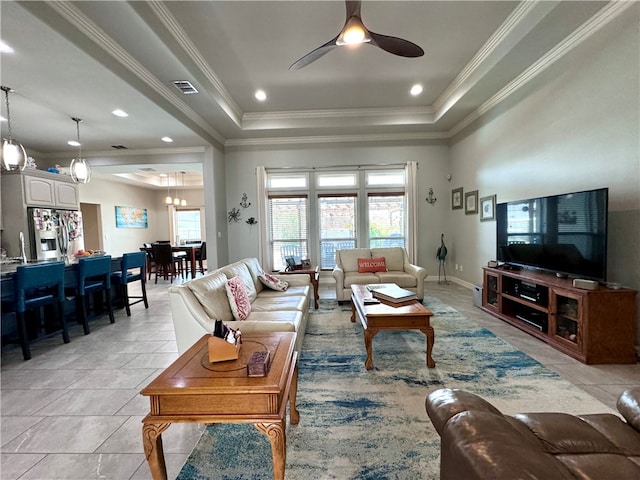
(368, 341)
(152, 441)
(429, 332)
(276, 434)
(294, 415)
(353, 311)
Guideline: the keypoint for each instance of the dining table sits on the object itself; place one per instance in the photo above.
(190, 250)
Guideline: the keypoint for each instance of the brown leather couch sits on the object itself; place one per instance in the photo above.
(479, 442)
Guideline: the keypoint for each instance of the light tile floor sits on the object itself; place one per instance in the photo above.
(74, 412)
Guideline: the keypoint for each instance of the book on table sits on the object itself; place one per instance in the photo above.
(394, 294)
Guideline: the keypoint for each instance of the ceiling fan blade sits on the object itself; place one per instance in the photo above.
(395, 45)
(314, 55)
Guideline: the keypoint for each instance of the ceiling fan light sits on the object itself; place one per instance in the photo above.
(14, 156)
(353, 33)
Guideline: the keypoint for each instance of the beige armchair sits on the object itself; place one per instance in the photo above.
(399, 271)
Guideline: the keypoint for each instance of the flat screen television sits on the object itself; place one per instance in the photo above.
(565, 234)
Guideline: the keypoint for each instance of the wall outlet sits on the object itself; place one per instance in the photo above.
(457, 267)
(460, 267)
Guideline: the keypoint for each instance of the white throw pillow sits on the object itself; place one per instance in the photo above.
(272, 282)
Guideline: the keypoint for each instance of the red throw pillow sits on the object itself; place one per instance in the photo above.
(238, 298)
(372, 265)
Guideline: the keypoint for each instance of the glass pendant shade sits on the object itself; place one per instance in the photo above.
(14, 157)
(183, 202)
(79, 169)
(176, 201)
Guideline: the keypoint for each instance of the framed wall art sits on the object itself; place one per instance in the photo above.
(130, 217)
(471, 202)
(456, 198)
(488, 208)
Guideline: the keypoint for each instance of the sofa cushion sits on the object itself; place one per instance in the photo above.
(210, 290)
(240, 269)
(366, 265)
(255, 269)
(349, 258)
(267, 303)
(394, 257)
(401, 279)
(355, 278)
(291, 291)
(238, 298)
(274, 283)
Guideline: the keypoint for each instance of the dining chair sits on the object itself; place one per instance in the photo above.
(94, 278)
(151, 263)
(133, 269)
(167, 265)
(201, 254)
(38, 286)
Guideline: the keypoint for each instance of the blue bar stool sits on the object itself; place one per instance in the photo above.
(133, 270)
(94, 277)
(38, 286)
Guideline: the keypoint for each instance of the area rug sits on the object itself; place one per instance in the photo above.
(372, 425)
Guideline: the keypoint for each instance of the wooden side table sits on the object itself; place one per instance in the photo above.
(194, 390)
(314, 275)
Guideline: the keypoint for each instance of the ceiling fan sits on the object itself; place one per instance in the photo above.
(355, 33)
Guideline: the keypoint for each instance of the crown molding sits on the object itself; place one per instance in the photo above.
(327, 139)
(586, 30)
(224, 99)
(127, 153)
(93, 32)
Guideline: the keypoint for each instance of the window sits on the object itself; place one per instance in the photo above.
(288, 228)
(336, 180)
(386, 220)
(337, 217)
(188, 225)
(288, 181)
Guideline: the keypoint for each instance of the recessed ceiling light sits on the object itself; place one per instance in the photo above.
(163, 175)
(4, 48)
(120, 113)
(416, 90)
(73, 143)
(260, 95)
(167, 139)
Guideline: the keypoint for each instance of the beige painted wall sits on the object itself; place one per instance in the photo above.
(576, 128)
(109, 194)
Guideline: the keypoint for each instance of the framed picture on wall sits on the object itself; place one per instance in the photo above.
(130, 217)
(471, 202)
(456, 198)
(488, 208)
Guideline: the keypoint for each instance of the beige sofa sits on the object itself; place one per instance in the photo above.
(196, 304)
(399, 271)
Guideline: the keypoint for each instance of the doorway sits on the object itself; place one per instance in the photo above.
(92, 226)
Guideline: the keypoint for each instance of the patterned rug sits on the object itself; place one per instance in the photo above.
(372, 425)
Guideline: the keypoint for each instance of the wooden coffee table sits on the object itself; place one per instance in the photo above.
(385, 316)
(194, 390)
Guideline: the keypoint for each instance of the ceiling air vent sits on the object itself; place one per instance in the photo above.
(185, 87)
(119, 147)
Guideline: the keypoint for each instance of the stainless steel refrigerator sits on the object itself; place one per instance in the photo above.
(55, 233)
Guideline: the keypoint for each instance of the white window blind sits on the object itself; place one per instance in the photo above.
(288, 233)
(337, 226)
(386, 220)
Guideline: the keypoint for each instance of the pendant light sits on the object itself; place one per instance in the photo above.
(80, 169)
(14, 156)
(183, 203)
(168, 200)
(176, 200)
